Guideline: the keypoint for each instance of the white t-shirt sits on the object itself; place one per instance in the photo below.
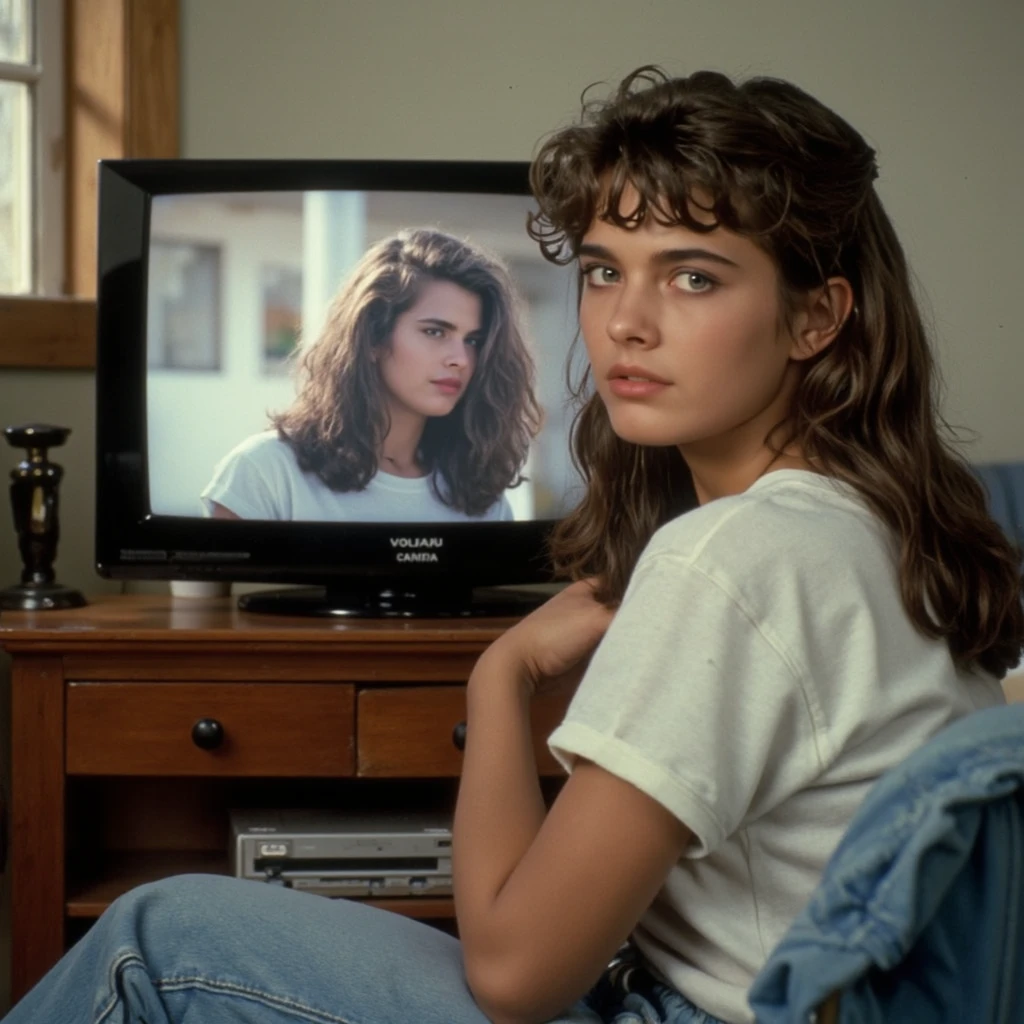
(760, 674)
(260, 479)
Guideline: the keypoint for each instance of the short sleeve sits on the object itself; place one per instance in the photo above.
(240, 485)
(689, 701)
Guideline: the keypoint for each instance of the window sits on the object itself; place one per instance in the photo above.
(31, 147)
(102, 82)
(183, 329)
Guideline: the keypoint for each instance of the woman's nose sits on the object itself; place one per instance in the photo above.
(457, 354)
(631, 322)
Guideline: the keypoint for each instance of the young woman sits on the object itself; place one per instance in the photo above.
(749, 665)
(416, 401)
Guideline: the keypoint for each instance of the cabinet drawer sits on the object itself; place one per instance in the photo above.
(411, 731)
(271, 729)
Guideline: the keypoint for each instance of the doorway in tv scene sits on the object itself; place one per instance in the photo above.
(239, 283)
(281, 307)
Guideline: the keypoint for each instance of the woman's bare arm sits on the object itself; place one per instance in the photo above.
(220, 512)
(544, 901)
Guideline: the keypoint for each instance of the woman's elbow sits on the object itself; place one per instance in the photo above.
(505, 995)
(510, 995)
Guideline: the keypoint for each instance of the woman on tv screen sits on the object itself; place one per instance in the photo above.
(416, 401)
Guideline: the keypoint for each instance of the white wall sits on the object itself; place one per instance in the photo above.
(935, 85)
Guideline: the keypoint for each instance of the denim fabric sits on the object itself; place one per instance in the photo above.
(199, 949)
(919, 916)
(1004, 482)
(628, 993)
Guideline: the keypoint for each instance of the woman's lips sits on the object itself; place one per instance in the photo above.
(635, 387)
(627, 380)
(448, 385)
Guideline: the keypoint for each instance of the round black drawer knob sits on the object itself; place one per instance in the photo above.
(208, 734)
(459, 736)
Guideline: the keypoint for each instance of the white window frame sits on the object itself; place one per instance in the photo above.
(44, 75)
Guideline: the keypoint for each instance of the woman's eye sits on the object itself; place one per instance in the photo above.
(693, 281)
(433, 332)
(599, 275)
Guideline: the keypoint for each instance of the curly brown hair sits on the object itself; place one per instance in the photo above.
(339, 419)
(769, 162)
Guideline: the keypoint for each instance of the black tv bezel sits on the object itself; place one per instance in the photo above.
(134, 543)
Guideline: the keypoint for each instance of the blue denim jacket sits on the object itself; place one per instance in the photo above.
(1004, 482)
(919, 916)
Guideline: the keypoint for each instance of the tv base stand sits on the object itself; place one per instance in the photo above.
(385, 600)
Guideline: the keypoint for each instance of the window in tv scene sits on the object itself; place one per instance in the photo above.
(281, 288)
(184, 329)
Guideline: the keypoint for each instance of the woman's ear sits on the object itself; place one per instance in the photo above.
(819, 322)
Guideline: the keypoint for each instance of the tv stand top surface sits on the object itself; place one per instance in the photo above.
(145, 618)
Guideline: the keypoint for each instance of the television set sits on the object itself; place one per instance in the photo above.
(216, 278)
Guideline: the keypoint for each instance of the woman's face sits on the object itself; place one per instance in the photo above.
(433, 350)
(682, 330)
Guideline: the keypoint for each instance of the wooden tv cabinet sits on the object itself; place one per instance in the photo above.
(109, 788)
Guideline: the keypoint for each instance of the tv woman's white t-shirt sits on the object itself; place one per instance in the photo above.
(260, 479)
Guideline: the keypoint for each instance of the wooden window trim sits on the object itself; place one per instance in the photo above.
(121, 101)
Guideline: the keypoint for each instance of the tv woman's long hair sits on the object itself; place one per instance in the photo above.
(339, 419)
(766, 160)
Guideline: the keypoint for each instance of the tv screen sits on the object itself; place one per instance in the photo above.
(351, 374)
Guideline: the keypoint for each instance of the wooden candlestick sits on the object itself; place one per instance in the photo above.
(34, 502)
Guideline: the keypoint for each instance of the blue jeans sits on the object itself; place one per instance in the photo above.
(200, 949)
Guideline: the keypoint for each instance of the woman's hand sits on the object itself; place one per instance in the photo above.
(550, 648)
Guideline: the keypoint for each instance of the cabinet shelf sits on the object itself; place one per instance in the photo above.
(91, 895)
(119, 872)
